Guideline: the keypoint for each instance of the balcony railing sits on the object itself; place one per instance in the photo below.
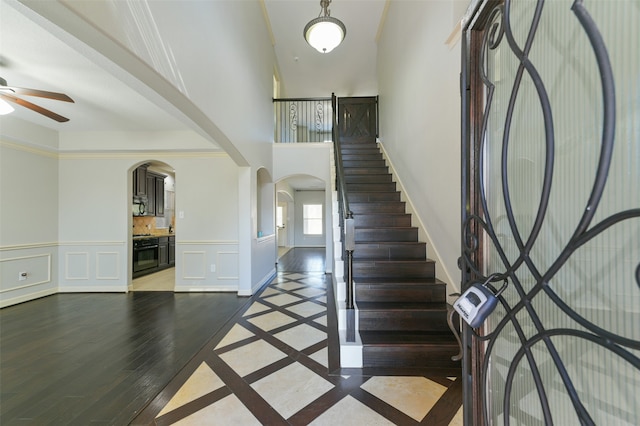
(300, 120)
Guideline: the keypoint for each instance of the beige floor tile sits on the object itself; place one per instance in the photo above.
(301, 336)
(322, 320)
(306, 309)
(318, 281)
(252, 357)
(283, 299)
(311, 291)
(322, 357)
(226, 412)
(201, 382)
(350, 411)
(255, 308)
(292, 388)
(414, 396)
(296, 276)
(270, 292)
(271, 320)
(457, 419)
(290, 285)
(234, 335)
(164, 280)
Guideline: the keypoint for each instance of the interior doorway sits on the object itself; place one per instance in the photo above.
(284, 205)
(152, 230)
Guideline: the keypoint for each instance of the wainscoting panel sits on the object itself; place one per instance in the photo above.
(36, 262)
(76, 266)
(227, 265)
(207, 266)
(93, 266)
(194, 265)
(107, 265)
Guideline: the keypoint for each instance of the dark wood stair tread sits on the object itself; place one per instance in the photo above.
(402, 306)
(394, 260)
(399, 280)
(379, 228)
(369, 337)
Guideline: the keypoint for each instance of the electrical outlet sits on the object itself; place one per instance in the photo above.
(213, 267)
(22, 276)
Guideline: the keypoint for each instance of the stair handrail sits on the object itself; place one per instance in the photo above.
(347, 225)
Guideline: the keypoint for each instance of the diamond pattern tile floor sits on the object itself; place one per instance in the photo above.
(270, 366)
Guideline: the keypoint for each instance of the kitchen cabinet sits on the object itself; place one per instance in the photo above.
(172, 251)
(163, 252)
(140, 181)
(155, 194)
(151, 195)
(159, 188)
(149, 188)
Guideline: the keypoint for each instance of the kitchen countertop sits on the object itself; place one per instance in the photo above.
(156, 235)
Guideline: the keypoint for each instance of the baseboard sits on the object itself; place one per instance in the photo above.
(221, 289)
(265, 280)
(27, 297)
(94, 289)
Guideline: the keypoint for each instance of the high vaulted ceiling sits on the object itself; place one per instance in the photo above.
(35, 54)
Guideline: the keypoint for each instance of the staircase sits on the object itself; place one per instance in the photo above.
(401, 304)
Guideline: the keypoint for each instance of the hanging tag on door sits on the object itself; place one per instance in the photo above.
(477, 303)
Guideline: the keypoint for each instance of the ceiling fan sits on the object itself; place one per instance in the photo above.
(10, 94)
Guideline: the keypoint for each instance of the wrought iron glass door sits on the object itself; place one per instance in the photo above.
(551, 203)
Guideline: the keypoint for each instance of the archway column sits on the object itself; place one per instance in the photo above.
(245, 226)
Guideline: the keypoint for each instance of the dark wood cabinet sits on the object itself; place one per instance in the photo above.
(163, 252)
(140, 181)
(159, 188)
(149, 188)
(172, 251)
(151, 195)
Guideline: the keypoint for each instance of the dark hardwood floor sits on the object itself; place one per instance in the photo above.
(303, 259)
(100, 358)
(80, 359)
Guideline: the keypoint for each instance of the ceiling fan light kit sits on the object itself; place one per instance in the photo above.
(325, 32)
(11, 94)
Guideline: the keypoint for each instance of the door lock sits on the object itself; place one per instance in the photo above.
(479, 301)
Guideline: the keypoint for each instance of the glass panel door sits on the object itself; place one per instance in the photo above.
(557, 179)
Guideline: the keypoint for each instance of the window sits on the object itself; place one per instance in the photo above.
(312, 219)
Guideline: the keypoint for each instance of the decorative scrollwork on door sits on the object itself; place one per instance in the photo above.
(557, 183)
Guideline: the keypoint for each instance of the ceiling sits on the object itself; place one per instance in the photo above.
(107, 99)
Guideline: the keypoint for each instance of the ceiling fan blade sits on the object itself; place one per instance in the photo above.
(40, 94)
(52, 115)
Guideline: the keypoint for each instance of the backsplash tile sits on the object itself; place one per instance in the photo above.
(144, 225)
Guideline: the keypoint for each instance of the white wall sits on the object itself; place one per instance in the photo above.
(219, 92)
(28, 218)
(302, 198)
(95, 220)
(66, 217)
(311, 159)
(420, 120)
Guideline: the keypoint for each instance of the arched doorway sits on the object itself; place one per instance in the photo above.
(302, 213)
(152, 227)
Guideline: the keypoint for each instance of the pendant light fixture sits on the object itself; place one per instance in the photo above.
(325, 32)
